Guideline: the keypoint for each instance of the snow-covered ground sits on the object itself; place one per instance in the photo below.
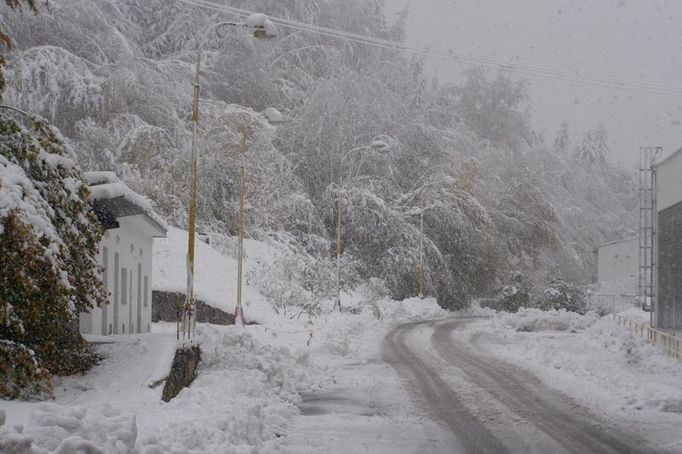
(300, 384)
(601, 365)
(255, 384)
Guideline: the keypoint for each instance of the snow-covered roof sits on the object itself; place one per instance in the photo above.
(113, 200)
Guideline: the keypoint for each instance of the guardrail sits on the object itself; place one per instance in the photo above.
(669, 342)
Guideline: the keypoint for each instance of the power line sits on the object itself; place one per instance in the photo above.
(491, 62)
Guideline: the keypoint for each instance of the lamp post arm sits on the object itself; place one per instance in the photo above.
(209, 30)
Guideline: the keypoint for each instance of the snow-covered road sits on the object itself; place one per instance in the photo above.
(490, 405)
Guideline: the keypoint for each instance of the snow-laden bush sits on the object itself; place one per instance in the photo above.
(515, 295)
(301, 277)
(563, 295)
(49, 238)
(20, 374)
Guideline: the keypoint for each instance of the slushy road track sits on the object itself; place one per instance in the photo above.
(540, 419)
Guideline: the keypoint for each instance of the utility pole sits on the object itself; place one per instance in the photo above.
(262, 27)
(238, 311)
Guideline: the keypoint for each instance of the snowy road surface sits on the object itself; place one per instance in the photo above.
(490, 406)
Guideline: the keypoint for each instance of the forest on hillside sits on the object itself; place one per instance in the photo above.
(115, 77)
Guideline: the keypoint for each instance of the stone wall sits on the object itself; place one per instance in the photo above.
(165, 308)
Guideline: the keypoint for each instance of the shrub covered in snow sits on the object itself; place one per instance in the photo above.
(20, 374)
(49, 240)
(516, 294)
(552, 320)
(563, 295)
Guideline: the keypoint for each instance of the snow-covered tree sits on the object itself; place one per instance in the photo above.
(562, 141)
(123, 97)
(594, 147)
(49, 239)
(495, 108)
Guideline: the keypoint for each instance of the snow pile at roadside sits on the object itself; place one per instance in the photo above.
(561, 320)
(242, 400)
(411, 309)
(59, 429)
(591, 358)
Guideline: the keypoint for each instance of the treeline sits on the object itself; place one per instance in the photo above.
(115, 76)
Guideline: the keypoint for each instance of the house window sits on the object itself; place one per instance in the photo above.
(146, 291)
(105, 281)
(110, 328)
(132, 248)
(124, 328)
(124, 286)
(117, 291)
(139, 297)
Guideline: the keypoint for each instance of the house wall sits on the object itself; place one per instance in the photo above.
(669, 181)
(618, 263)
(127, 249)
(669, 243)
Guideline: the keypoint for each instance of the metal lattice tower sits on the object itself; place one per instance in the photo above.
(647, 229)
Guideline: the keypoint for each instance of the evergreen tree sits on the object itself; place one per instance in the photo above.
(594, 147)
(562, 142)
(49, 239)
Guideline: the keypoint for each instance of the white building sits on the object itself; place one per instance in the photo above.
(618, 265)
(125, 254)
(668, 308)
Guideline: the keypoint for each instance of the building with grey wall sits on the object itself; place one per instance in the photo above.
(668, 308)
(617, 263)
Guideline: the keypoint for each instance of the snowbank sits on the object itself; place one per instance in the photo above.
(561, 320)
(60, 429)
(600, 364)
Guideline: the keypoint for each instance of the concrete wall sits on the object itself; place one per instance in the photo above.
(126, 255)
(618, 264)
(669, 244)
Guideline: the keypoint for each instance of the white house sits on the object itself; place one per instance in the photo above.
(125, 254)
(618, 264)
(668, 308)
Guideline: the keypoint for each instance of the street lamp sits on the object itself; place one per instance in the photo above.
(238, 311)
(262, 28)
(376, 145)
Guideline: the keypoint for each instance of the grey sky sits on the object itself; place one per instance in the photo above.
(625, 39)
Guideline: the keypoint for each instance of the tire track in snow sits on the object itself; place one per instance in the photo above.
(442, 401)
(571, 426)
(557, 416)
